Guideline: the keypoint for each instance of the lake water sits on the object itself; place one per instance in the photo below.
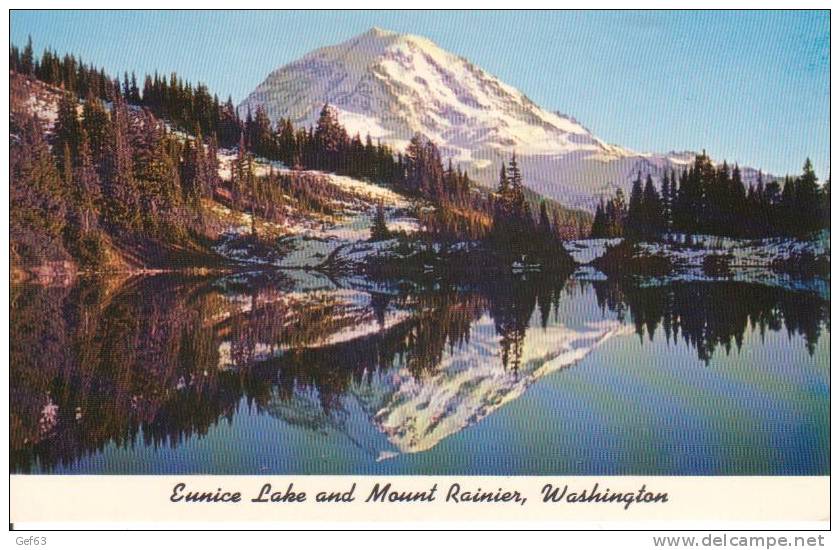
(298, 374)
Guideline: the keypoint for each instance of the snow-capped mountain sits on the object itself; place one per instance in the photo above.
(391, 86)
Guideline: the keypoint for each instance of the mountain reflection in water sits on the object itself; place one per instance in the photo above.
(161, 362)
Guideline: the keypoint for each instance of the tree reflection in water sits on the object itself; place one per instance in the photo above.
(710, 315)
(156, 361)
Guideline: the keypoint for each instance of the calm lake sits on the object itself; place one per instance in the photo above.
(284, 373)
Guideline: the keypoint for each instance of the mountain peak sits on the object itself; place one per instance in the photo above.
(420, 87)
(376, 42)
(379, 31)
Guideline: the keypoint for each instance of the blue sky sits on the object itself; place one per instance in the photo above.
(751, 87)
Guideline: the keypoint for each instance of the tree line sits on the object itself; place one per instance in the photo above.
(182, 104)
(118, 174)
(714, 200)
(119, 168)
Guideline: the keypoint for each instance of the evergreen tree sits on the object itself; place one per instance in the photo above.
(96, 125)
(680, 216)
(610, 219)
(651, 210)
(261, 136)
(36, 191)
(544, 226)
(717, 205)
(807, 200)
(787, 208)
(672, 200)
(634, 226)
(134, 91)
(424, 169)
(230, 127)
(736, 209)
(88, 191)
(122, 196)
(141, 167)
(666, 202)
(286, 144)
(160, 193)
(195, 170)
(768, 218)
(826, 204)
(518, 204)
(67, 129)
(66, 166)
(239, 172)
(14, 58)
(513, 226)
(599, 229)
(379, 228)
(616, 216)
(504, 184)
(213, 180)
(330, 139)
(27, 59)
(704, 176)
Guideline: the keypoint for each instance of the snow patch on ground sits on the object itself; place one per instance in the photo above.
(740, 252)
(308, 243)
(588, 273)
(45, 109)
(585, 251)
(745, 260)
(262, 166)
(743, 252)
(362, 189)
